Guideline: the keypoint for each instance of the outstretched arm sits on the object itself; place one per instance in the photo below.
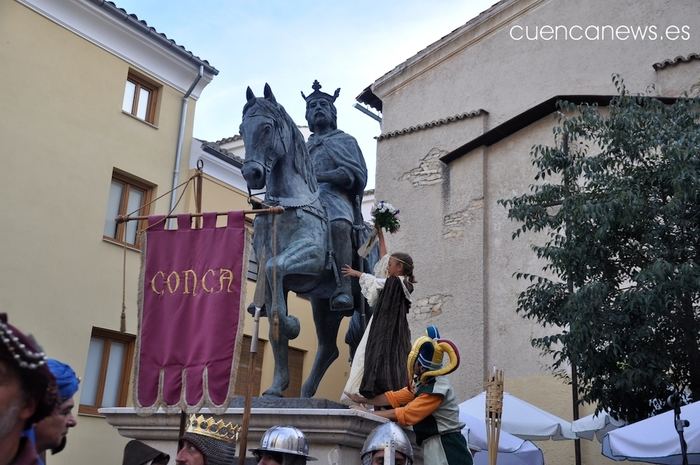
(347, 270)
(382, 243)
(411, 413)
(380, 400)
(390, 414)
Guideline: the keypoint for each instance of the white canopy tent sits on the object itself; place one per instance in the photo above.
(511, 450)
(522, 419)
(595, 425)
(655, 440)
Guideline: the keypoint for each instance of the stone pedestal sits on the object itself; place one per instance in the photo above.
(335, 435)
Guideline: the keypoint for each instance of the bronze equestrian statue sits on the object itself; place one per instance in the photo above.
(302, 250)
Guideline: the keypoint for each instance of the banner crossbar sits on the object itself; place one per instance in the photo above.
(257, 211)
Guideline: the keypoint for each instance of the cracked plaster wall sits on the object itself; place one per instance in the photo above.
(459, 237)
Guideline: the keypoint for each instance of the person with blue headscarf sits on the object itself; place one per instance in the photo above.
(51, 432)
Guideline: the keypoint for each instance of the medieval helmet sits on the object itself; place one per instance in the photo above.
(428, 351)
(383, 436)
(213, 437)
(286, 440)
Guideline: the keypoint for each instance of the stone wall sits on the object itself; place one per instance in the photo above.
(460, 238)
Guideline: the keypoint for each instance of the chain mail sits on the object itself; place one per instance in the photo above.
(215, 451)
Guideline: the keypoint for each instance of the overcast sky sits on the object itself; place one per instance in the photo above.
(346, 44)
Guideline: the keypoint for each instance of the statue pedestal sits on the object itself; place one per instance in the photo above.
(335, 435)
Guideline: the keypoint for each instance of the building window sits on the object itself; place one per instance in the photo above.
(252, 273)
(140, 97)
(108, 369)
(243, 367)
(127, 195)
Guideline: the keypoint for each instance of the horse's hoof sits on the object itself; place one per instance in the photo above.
(342, 302)
(292, 327)
(272, 392)
(251, 310)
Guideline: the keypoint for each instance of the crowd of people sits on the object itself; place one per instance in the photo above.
(36, 413)
(36, 399)
(36, 396)
(208, 440)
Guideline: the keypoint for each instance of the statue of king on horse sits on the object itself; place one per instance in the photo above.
(320, 186)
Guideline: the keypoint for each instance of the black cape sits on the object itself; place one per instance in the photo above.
(388, 343)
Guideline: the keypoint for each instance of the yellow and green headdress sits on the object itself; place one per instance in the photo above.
(428, 351)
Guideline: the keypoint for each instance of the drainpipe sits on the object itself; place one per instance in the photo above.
(375, 117)
(180, 137)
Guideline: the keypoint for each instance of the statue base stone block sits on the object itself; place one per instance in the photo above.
(335, 433)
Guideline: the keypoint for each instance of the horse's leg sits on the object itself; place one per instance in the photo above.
(300, 258)
(327, 325)
(279, 324)
(280, 351)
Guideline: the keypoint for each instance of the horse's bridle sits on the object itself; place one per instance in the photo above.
(268, 163)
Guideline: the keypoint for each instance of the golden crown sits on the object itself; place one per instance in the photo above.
(216, 429)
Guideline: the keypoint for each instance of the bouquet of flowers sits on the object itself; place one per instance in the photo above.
(386, 216)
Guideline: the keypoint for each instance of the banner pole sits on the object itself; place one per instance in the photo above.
(243, 440)
(198, 193)
(183, 420)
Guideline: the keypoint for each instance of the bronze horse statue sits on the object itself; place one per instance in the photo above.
(292, 247)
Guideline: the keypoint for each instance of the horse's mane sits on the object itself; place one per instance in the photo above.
(302, 160)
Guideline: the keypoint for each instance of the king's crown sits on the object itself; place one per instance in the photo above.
(216, 429)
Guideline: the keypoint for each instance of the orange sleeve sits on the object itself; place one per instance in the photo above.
(400, 397)
(417, 409)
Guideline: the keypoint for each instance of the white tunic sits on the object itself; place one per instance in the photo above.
(371, 286)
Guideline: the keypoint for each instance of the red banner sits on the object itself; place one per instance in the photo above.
(190, 312)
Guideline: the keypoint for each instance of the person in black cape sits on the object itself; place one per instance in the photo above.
(380, 360)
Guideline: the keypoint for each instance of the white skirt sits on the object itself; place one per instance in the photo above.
(357, 369)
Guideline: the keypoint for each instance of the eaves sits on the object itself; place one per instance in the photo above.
(528, 117)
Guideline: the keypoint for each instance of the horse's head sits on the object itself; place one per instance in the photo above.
(270, 135)
(263, 136)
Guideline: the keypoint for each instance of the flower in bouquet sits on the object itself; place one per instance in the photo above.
(386, 216)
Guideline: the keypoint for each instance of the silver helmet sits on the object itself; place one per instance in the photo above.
(286, 440)
(387, 435)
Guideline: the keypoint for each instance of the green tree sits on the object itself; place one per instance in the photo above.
(618, 200)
